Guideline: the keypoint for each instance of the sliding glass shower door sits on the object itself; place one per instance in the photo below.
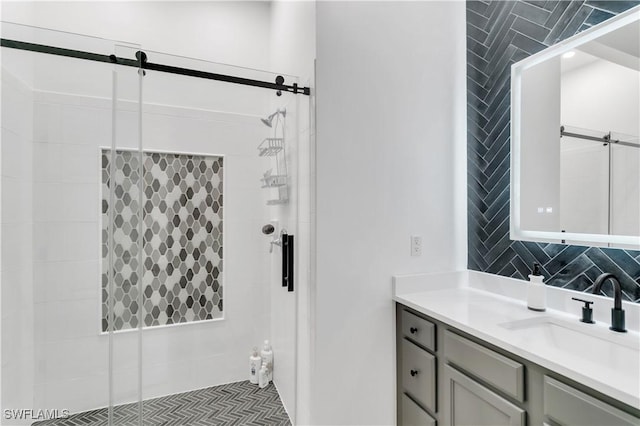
(57, 116)
(216, 164)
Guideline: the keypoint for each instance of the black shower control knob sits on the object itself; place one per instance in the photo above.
(413, 330)
(414, 373)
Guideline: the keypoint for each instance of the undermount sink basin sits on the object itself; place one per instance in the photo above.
(586, 341)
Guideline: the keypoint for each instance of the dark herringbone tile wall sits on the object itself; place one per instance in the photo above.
(500, 33)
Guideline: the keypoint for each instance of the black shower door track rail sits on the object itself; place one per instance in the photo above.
(141, 62)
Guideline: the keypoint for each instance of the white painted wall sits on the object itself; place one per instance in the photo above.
(601, 96)
(390, 112)
(231, 32)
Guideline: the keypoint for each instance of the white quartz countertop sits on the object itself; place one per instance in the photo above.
(493, 308)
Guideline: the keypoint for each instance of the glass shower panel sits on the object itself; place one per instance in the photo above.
(212, 285)
(56, 118)
(121, 242)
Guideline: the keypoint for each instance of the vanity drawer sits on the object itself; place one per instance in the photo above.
(495, 369)
(568, 406)
(413, 414)
(419, 330)
(418, 374)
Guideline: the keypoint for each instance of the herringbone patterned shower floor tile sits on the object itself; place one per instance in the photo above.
(240, 403)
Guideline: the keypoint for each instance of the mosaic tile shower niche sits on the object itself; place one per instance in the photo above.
(181, 238)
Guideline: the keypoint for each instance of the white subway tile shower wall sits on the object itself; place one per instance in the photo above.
(176, 358)
(16, 189)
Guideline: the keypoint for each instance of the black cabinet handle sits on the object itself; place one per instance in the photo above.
(414, 373)
(413, 330)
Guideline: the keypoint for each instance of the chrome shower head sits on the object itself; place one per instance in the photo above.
(268, 229)
(269, 120)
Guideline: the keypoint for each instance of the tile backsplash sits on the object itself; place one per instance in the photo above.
(182, 204)
(500, 33)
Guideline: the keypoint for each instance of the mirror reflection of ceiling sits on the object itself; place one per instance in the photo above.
(621, 47)
(578, 60)
(625, 39)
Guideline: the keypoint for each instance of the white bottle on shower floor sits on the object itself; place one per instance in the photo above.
(263, 376)
(267, 359)
(255, 362)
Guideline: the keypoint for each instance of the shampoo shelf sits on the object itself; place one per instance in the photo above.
(274, 181)
(270, 147)
(277, 202)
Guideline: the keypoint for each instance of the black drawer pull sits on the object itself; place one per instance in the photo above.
(413, 330)
(414, 373)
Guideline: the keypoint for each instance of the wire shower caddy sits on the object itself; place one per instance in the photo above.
(275, 147)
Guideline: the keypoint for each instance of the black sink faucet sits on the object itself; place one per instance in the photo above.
(617, 313)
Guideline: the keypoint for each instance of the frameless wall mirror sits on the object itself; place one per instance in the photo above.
(575, 147)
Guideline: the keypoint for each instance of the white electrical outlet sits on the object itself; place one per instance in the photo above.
(416, 245)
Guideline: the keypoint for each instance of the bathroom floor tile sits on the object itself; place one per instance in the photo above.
(240, 403)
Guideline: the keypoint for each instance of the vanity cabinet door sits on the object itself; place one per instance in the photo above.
(495, 369)
(568, 406)
(468, 403)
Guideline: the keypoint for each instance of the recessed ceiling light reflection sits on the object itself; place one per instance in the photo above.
(569, 54)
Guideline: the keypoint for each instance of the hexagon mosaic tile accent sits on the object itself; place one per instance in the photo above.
(179, 269)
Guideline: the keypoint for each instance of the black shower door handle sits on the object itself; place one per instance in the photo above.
(284, 238)
(287, 261)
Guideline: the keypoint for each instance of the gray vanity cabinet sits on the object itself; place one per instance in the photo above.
(468, 403)
(447, 377)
